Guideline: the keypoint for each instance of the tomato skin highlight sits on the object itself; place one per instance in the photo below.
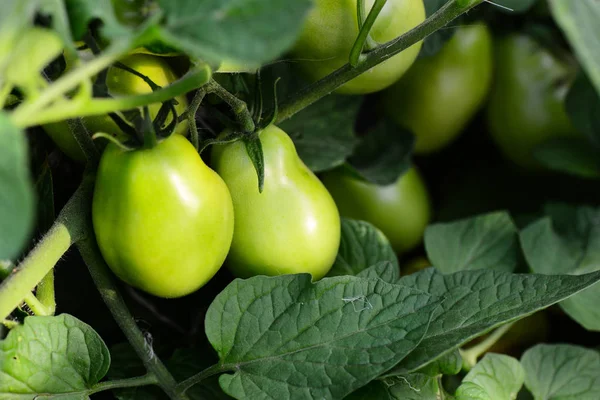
(121, 83)
(527, 103)
(163, 219)
(293, 226)
(440, 94)
(400, 210)
(329, 33)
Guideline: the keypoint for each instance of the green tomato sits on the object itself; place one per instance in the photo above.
(331, 30)
(400, 210)
(121, 83)
(293, 226)
(527, 103)
(440, 94)
(163, 219)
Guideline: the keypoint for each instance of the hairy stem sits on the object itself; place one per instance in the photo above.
(239, 107)
(84, 140)
(35, 305)
(67, 230)
(45, 293)
(112, 298)
(191, 116)
(328, 84)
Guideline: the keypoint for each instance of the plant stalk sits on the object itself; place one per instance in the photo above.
(239, 107)
(182, 387)
(365, 29)
(66, 230)
(472, 354)
(310, 94)
(191, 116)
(112, 298)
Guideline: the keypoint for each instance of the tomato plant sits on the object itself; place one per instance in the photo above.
(224, 227)
(294, 216)
(331, 29)
(452, 85)
(148, 204)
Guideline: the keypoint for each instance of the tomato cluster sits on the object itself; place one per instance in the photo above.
(165, 222)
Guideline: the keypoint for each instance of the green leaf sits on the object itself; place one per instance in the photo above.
(476, 302)
(83, 12)
(362, 245)
(286, 338)
(244, 31)
(413, 387)
(16, 190)
(384, 270)
(579, 21)
(255, 152)
(51, 355)
(383, 154)
(562, 372)
(487, 241)
(568, 242)
(583, 107)
(496, 377)
(573, 156)
(324, 132)
(375, 390)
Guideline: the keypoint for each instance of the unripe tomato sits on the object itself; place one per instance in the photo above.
(163, 219)
(527, 103)
(331, 30)
(440, 94)
(400, 210)
(291, 227)
(121, 83)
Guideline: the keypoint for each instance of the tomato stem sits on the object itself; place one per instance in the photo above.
(310, 94)
(239, 107)
(66, 230)
(45, 293)
(109, 292)
(365, 28)
(182, 387)
(191, 116)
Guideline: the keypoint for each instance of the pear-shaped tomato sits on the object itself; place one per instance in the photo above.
(163, 219)
(293, 226)
(121, 83)
(400, 210)
(331, 29)
(440, 94)
(527, 103)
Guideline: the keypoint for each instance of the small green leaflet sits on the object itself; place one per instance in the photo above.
(51, 355)
(495, 377)
(562, 372)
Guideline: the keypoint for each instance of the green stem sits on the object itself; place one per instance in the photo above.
(35, 305)
(30, 108)
(112, 298)
(67, 229)
(191, 116)
(45, 292)
(84, 140)
(239, 107)
(182, 387)
(471, 355)
(365, 29)
(145, 380)
(189, 82)
(5, 90)
(9, 323)
(304, 98)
